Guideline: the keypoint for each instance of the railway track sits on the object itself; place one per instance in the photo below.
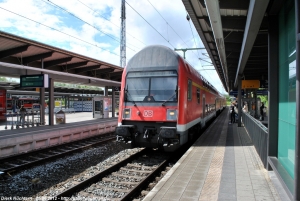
(122, 181)
(25, 160)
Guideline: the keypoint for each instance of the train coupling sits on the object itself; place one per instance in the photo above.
(123, 134)
(171, 141)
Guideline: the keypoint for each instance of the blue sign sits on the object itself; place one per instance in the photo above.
(262, 92)
(235, 93)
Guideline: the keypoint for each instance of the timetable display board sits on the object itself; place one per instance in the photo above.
(33, 81)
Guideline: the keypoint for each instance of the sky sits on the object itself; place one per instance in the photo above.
(92, 28)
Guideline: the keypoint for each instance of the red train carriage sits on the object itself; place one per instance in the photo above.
(164, 102)
(15, 103)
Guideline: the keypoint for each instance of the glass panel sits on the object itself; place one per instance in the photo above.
(287, 87)
(137, 89)
(164, 88)
(189, 95)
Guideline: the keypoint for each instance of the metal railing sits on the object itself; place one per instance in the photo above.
(258, 134)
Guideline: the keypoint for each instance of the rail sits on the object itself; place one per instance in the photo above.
(258, 134)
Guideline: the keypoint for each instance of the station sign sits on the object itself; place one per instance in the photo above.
(250, 84)
(34, 81)
(262, 92)
(235, 93)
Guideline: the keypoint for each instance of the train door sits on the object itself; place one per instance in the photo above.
(203, 105)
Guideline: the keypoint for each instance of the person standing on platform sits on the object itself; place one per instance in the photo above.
(262, 111)
(22, 114)
(232, 114)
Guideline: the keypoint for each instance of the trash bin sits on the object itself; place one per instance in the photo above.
(105, 114)
(60, 117)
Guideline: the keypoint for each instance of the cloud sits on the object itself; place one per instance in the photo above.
(92, 27)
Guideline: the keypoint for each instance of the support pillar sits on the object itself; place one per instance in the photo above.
(42, 101)
(106, 91)
(113, 102)
(297, 139)
(239, 100)
(273, 77)
(51, 102)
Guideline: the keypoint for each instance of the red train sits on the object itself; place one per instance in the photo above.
(17, 102)
(164, 101)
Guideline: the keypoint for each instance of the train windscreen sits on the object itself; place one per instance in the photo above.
(152, 86)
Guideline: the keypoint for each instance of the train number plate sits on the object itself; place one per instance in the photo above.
(148, 113)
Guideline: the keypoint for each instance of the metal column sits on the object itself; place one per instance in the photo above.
(297, 140)
(51, 102)
(273, 69)
(106, 91)
(239, 100)
(42, 100)
(113, 104)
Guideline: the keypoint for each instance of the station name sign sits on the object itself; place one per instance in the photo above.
(33, 81)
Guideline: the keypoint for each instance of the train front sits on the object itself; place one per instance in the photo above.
(149, 100)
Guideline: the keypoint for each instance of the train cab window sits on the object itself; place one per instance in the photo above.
(163, 88)
(137, 89)
(198, 95)
(189, 91)
(151, 86)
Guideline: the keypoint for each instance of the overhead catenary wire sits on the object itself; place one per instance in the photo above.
(149, 23)
(112, 37)
(174, 29)
(110, 21)
(60, 31)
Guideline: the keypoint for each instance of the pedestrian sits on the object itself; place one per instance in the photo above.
(22, 114)
(232, 114)
(245, 108)
(262, 111)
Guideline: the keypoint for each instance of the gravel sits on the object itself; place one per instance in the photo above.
(37, 181)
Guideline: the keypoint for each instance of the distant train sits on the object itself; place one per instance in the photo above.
(164, 101)
(15, 103)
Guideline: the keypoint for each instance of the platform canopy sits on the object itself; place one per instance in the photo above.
(235, 35)
(21, 56)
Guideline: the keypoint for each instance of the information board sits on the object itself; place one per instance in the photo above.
(33, 81)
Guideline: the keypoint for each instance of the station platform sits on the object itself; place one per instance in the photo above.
(221, 165)
(78, 126)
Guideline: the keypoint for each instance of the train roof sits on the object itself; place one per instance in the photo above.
(157, 56)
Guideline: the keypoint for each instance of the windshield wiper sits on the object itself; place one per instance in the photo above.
(163, 104)
(127, 92)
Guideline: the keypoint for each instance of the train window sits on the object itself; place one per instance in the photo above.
(198, 95)
(163, 88)
(189, 91)
(137, 89)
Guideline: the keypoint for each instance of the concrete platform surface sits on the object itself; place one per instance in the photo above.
(222, 165)
(78, 126)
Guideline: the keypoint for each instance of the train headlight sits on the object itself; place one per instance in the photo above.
(171, 114)
(126, 113)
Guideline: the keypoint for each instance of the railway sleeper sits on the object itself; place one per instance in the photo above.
(90, 196)
(121, 182)
(139, 166)
(133, 170)
(126, 176)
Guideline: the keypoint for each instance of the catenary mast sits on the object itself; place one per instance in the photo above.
(123, 36)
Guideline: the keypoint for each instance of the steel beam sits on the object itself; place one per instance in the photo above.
(48, 64)
(256, 13)
(12, 51)
(27, 60)
(75, 65)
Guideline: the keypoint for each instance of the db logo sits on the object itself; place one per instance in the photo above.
(148, 113)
